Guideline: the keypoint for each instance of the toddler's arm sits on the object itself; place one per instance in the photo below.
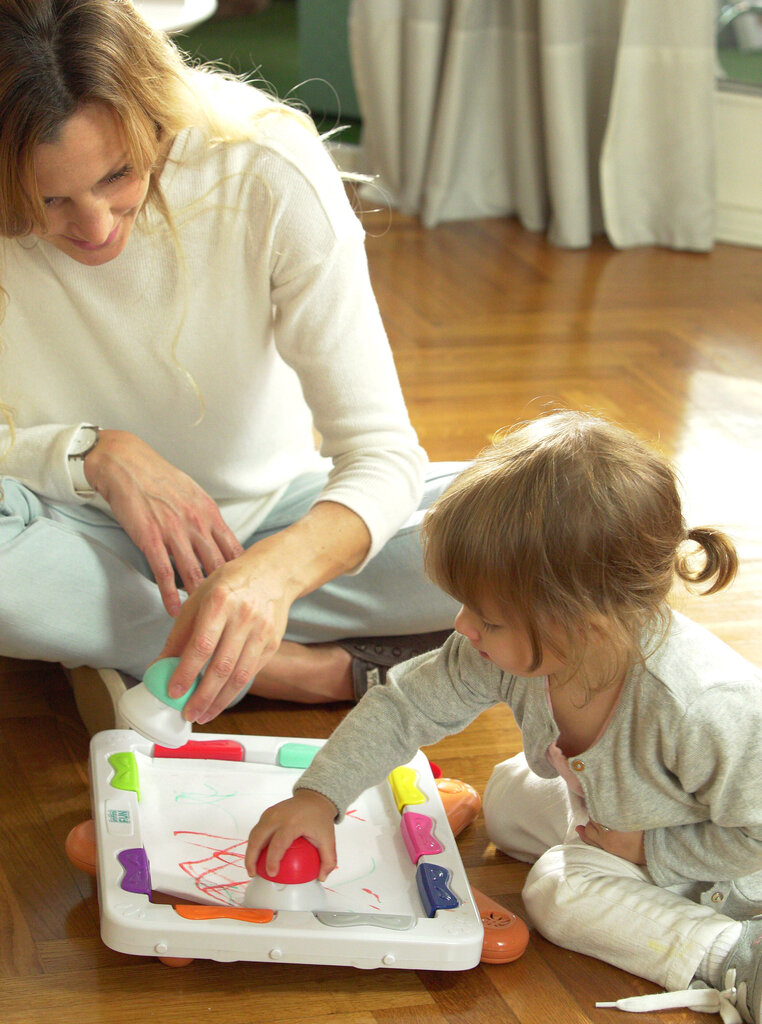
(434, 695)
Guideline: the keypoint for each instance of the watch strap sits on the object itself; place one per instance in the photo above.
(88, 432)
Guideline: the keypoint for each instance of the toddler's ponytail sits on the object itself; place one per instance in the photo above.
(720, 559)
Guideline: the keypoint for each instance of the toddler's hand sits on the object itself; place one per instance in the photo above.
(307, 814)
(627, 845)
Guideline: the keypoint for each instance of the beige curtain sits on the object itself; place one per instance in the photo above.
(578, 116)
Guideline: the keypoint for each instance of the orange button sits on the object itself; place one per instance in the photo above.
(578, 766)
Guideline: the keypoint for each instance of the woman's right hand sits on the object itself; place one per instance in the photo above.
(173, 521)
(307, 813)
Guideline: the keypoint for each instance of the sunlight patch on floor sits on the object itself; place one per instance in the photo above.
(719, 457)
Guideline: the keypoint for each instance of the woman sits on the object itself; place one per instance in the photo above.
(185, 297)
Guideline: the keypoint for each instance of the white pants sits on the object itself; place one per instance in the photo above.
(587, 900)
(75, 589)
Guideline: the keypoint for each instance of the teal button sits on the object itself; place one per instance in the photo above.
(157, 679)
(296, 755)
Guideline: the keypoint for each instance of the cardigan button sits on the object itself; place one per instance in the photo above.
(578, 766)
(717, 897)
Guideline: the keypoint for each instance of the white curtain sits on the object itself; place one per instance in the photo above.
(578, 116)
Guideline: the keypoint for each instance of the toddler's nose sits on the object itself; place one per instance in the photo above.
(466, 625)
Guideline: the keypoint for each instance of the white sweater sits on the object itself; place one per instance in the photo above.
(271, 313)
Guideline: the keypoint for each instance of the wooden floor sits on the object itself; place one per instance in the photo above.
(488, 324)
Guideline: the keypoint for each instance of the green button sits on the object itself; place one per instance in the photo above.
(125, 768)
(296, 755)
(157, 679)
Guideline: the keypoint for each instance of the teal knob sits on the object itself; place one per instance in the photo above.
(157, 679)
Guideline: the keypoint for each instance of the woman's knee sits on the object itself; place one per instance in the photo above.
(18, 507)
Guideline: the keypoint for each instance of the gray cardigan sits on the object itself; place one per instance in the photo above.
(676, 759)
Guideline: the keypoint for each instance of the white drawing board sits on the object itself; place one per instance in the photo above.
(174, 824)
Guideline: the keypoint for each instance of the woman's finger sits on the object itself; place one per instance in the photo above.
(193, 645)
(161, 566)
(227, 677)
(226, 541)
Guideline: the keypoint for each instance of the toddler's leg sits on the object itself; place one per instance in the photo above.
(589, 901)
(592, 902)
(524, 814)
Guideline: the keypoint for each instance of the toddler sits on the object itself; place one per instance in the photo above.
(636, 797)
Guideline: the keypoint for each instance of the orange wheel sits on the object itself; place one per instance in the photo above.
(80, 846)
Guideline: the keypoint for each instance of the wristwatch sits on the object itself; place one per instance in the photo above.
(84, 441)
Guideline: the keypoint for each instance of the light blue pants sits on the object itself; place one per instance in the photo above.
(75, 589)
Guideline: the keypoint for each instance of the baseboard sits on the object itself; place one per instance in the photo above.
(739, 157)
(739, 225)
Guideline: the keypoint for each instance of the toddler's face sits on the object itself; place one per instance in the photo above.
(503, 642)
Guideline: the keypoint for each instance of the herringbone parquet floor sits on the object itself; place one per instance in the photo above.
(488, 324)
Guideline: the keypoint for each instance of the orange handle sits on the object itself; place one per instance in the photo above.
(196, 912)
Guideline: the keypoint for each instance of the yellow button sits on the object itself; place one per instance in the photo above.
(578, 766)
(717, 897)
(406, 793)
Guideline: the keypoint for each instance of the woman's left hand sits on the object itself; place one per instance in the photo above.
(627, 845)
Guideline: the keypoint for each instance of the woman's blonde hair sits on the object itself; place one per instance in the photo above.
(569, 521)
(57, 55)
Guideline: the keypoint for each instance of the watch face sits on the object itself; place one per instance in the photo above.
(84, 440)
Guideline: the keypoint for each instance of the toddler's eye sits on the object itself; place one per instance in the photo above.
(487, 627)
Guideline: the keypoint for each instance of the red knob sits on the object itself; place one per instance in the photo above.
(301, 863)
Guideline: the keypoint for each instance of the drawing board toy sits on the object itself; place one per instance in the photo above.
(175, 822)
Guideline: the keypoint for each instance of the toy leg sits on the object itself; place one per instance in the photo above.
(80, 847)
(461, 803)
(505, 935)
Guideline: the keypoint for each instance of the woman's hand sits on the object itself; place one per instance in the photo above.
(627, 845)
(307, 814)
(233, 623)
(176, 525)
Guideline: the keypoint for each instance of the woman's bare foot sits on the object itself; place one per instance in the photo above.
(307, 674)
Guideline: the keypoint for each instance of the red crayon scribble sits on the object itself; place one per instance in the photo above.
(373, 894)
(353, 814)
(211, 873)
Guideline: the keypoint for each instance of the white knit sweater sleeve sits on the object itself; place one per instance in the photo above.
(329, 330)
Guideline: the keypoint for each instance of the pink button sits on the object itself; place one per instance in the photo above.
(417, 831)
